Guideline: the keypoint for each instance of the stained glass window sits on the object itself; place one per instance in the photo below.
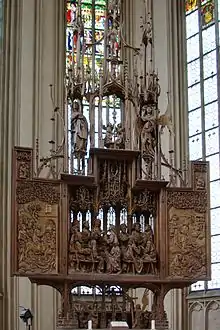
(86, 24)
(203, 58)
(190, 5)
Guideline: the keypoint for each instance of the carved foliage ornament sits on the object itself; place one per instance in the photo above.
(82, 200)
(197, 200)
(113, 183)
(145, 201)
(32, 190)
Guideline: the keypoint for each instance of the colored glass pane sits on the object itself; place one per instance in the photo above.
(86, 2)
(207, 12)
(70, 13)
(101, 2)
(190, 5)
(100, 15)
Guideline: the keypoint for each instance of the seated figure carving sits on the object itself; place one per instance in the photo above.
(112, 252)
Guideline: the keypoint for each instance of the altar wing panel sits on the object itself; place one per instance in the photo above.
(35, 219)
(188, 227)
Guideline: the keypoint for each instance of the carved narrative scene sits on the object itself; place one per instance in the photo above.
(37, 227)
(107, 208)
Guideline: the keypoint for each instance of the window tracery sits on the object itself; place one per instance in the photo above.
(203, 58)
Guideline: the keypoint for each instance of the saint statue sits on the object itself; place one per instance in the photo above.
(79, 132)
(148, 137)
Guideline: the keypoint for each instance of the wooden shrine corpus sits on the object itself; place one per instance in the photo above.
(52, 247)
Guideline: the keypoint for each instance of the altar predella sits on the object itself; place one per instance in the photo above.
(105, 214)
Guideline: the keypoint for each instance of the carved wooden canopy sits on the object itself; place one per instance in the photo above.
(50, 246)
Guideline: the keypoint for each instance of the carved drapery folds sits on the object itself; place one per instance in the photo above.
(188, 228)
(109, 252)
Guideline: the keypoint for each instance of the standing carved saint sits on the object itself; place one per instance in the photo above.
(79, 132)
(147, 129)
(114, 42)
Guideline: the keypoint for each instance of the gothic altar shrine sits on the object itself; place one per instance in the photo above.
(103, 213)
(53, 247)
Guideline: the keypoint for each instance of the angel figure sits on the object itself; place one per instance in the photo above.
(147, 131)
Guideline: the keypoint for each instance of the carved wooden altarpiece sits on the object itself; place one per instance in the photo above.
(52, 250)
(110, 217)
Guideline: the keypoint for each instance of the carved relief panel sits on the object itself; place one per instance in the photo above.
(23, 158)
(36, 221)
(188, 228)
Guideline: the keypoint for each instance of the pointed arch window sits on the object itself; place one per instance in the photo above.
(86, 47)
(202, 19)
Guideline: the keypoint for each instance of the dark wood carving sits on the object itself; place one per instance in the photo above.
(188, 228)
(37, 226)
(59, 237)
(36, 219)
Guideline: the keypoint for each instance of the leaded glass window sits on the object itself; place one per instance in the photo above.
(203, 59)
(86, 43)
